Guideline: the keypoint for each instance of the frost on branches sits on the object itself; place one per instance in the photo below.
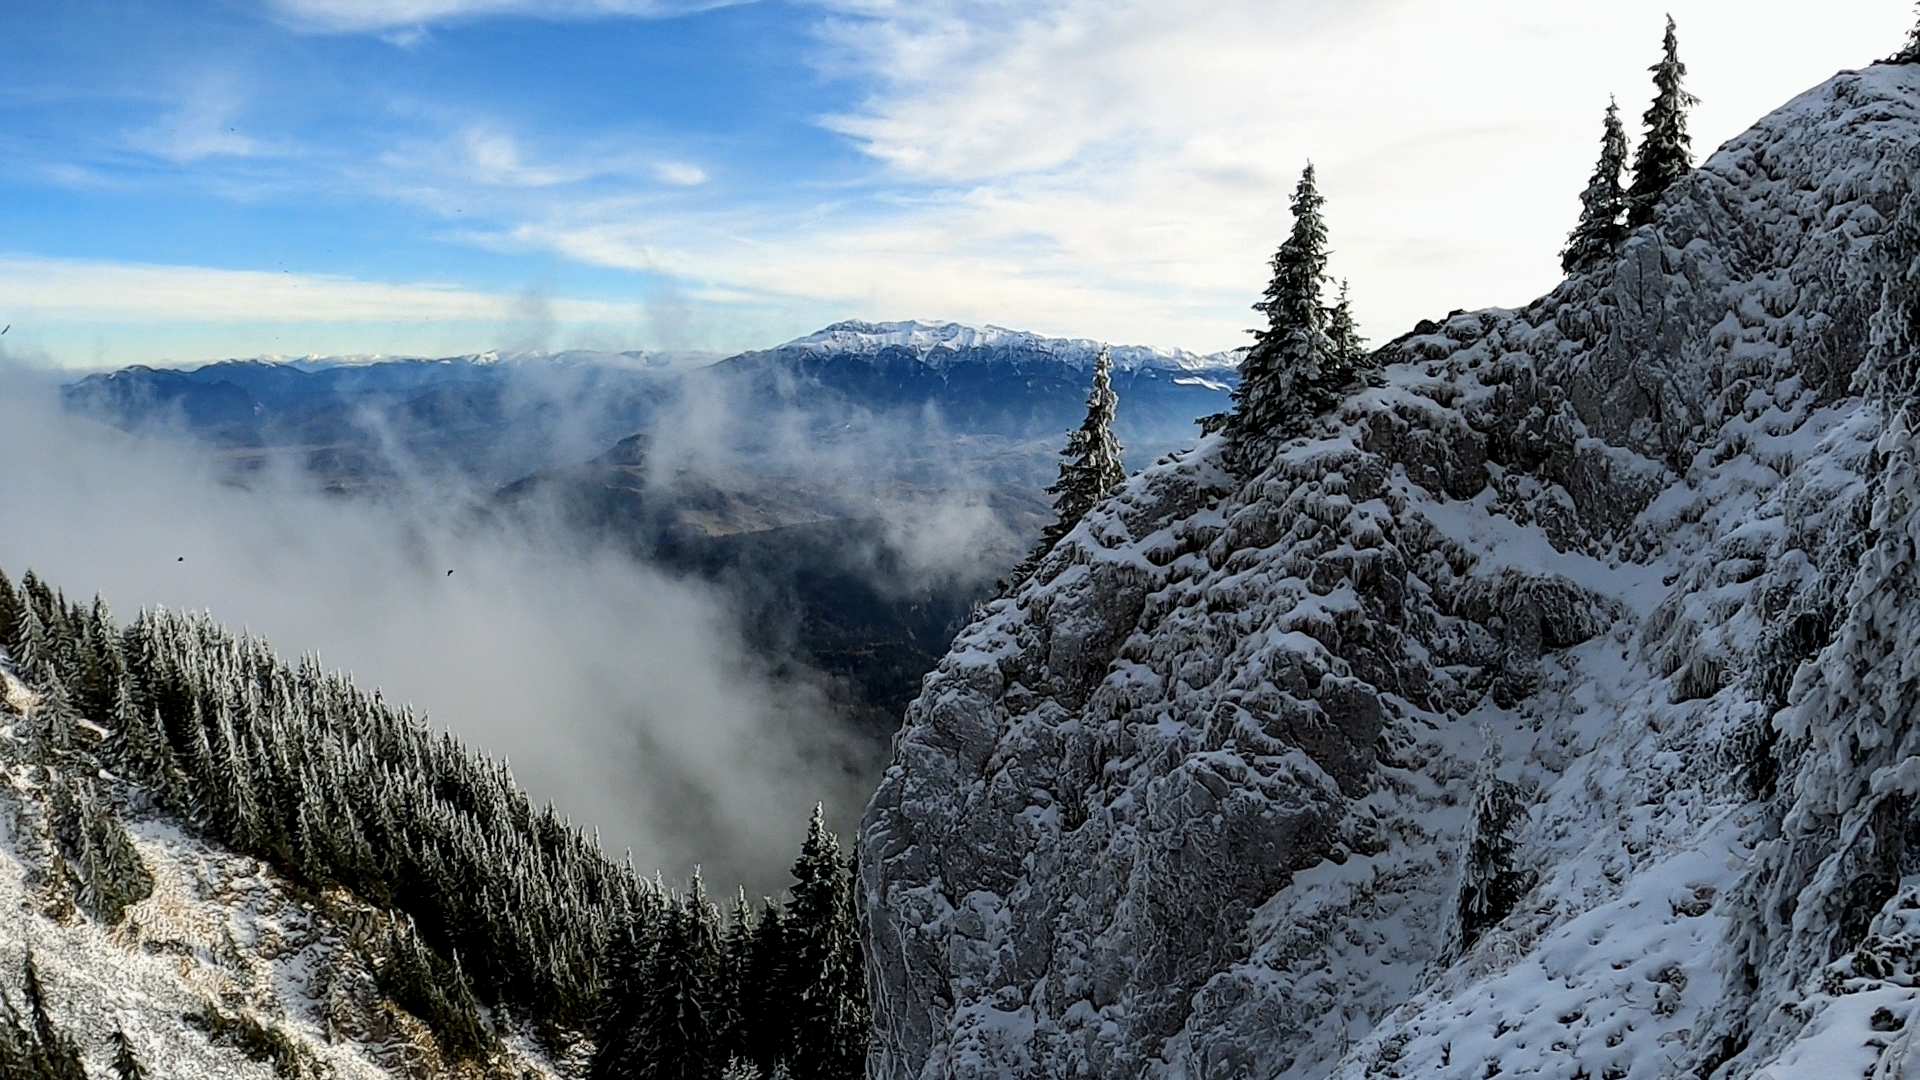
(1306, 358)
(1603, 206)
(1090, 465)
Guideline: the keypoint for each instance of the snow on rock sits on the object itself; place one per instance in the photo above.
(1190, 803)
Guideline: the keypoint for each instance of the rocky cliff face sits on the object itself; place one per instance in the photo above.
(1190, 803)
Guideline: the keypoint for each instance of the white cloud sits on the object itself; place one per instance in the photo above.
(1140, 153)
(406, 16)
(70, 290)
(203, 126)
(680, 174)
(495, 159)
(1121, 168)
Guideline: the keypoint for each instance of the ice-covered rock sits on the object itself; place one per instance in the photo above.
(1190, 802)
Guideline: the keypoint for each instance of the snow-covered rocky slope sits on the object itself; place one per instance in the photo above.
(286, 967)
(1191, 802)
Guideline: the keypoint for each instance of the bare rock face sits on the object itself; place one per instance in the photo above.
(1188, 802)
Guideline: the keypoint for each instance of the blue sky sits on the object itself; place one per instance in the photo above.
(182, 181)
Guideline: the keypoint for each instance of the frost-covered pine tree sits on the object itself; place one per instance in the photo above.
(736, 971)
(766, 1021)
(1910, 52)
(111, 873)
(125, 1065)
(832, 1023)
(1279, 391)
(1351, 361)
(1090, 464)
(1603, 206)
(674, 1039)
(1490, 883)
(1666, 150)
(9, 612)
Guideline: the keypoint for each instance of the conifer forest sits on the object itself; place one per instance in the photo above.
(503, 909)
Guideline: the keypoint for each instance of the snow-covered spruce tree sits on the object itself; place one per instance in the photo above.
(435, 991)
(1666, 150)
(1351, 362)
(1289, 375)
(1603, 206)
(48, 1053)
(832, 1023)
(673, 1036)
(1089, 465)
(1490, 883)
(9, 613)
(766, 1022)
(736, 964)
(101, 853)
(1910, 52)
(125, 1065)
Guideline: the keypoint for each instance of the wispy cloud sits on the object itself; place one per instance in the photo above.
(359, 16)
(204, 125)
(80, 290)
(680, 174)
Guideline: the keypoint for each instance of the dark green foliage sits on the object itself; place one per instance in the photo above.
(298, 767)
(110, 874)
(1306, 358)
(827, 979)
(125, 1065)
(781, 992)
(435, 990)
(1090, 465)
(30, 1047)
(249, 1036)
(10, 612)
(1666, 150)
(669, 1027)
(1603, 206)
(766, 1025)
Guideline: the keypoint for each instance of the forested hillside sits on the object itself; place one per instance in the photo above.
(485, 918)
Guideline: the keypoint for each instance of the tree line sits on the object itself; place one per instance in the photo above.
(498, 902)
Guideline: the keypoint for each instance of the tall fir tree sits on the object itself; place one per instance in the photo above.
(736, 973)
(9, 612)
(1910, 52)
(125, 1065)
(832, 1023)
(1090, 465)
(1603, 206)
(1350, 360)
(1283, 382)
(1490, 882)
(766, 1022)
(676, 1025)
(1666, 150)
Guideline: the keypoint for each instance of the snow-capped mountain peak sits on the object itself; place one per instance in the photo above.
(941, 343)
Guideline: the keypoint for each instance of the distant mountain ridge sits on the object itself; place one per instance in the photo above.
(940, 344)
(498, 416)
